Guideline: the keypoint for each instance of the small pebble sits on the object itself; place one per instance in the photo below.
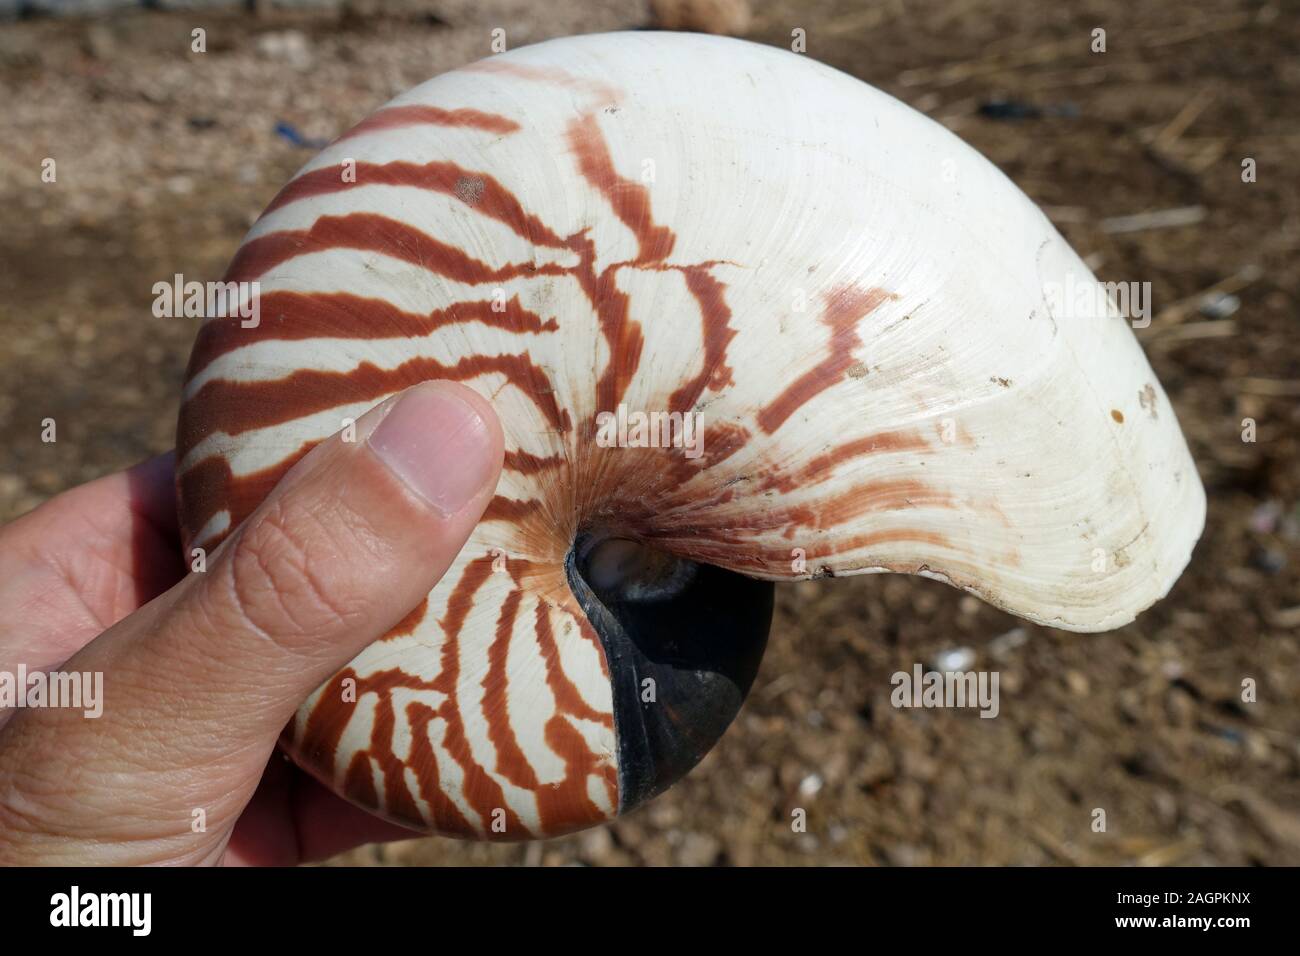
(1268, 560)
(810, 786)
(1002, 645)
(1219, 305)
(954, 659)
(699, 849)
(1172, 670)
(1265, 517)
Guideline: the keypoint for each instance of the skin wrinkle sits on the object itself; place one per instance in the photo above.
(200, 660)
(40, 557)
(67, 801)
(129, 746)
(308, 526)
(99, 777)
(50, 601)
(14, 815)
(284, 572)
(107, 593)
(54, 591)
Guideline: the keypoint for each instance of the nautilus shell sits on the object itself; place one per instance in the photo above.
(857, 310)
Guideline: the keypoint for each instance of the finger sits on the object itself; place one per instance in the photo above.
(328, 825)
(354, 537)
(293, 819)
(83, 560)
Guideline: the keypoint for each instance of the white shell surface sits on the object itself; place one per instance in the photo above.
(897, 364)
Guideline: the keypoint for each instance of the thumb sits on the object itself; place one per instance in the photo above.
(353, 538)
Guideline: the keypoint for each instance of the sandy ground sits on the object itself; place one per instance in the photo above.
(165, 156)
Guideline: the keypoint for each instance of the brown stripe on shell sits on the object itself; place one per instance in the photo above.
(603, 94)
(567, 806)
(524, 463)
(296, 316)
(715, 325)
(823, 466)
(479, 190)
(624, 338)
(509, 510)
(325, 724)
(495, 705)
(445, 815)
(407, 625)
(371, 232)
(845, 308)
(481, 791)
(209, 487)
(775, 561)
(629, 199)
(323, 730)
(872, 498)
(236, 407)
(397, 117)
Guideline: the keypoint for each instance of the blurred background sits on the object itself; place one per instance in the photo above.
(165, 156)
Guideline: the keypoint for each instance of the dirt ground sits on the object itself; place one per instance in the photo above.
(164, 157)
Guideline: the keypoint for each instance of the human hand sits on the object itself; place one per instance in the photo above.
(202, 672)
